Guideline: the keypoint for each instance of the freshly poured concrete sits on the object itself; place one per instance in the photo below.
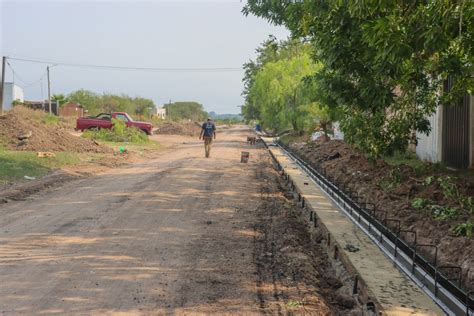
(394, 292)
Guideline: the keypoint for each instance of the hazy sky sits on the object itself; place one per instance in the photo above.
(168, 34)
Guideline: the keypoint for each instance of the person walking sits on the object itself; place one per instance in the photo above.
(208, 133)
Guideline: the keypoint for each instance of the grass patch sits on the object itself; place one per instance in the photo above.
(295, 138)
(409, 159)
(50, 119)
(14, 165)
(292, 304)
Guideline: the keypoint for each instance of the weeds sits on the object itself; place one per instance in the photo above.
(15, 165)
(451, 192)
(438, 212)
(409, 159)
(450, 189)
(464, 229)
(294, 304)
(420, 203)
(394, 179)
(119, 133)
(444, 213)
(51, 119)
(467, 203)
(429, 180)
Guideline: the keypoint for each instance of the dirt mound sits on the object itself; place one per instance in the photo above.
(394, 189)
(27, 130)
(179, 128)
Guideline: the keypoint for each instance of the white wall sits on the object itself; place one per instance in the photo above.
(12, 92)
(338, 134)
(429, 147)
(161, 112)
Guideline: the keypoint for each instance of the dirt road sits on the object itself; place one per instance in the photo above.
(172, 235)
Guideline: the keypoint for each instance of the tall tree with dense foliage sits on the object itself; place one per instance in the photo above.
(188, 110)
(384, 62)
(107, 102)
(276, 87)
(278, 91)
(267, 52)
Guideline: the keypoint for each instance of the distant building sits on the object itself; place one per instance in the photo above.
(71, 109)
(42, 105)
(161, 113)
(11, 93)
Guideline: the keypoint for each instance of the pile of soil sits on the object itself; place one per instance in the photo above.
(179, 128)
(38, 136)
(295, 273)
(392, 190)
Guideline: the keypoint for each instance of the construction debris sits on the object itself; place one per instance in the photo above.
(45, 154)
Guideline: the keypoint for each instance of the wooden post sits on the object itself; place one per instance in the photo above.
(49, 91)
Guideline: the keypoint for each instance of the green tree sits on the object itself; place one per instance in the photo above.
(60, 98)
(383, 62)
(108, 102)
(88, 99)
(185, 110)
(281, 95)
(143, 106)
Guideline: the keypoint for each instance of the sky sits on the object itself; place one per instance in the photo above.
(145, 34)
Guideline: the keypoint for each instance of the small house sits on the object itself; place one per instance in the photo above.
(161, 113)
(71, 109)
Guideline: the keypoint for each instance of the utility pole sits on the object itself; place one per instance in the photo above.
(2, 88)
(169, 110)
(49, 91)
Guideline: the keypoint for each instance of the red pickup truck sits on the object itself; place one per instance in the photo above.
(104, 120)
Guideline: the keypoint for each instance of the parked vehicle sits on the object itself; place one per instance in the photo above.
(104, 120)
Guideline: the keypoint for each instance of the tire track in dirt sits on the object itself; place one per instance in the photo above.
(179, 234)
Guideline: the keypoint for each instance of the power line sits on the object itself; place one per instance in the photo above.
(26, 84)
(40, 80)
(15, 74)
(147, 69)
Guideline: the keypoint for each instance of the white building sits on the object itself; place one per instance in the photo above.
(11, 93)
(161, 113)
(451, 139)
(429, 146)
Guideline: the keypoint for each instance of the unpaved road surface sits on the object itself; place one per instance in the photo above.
(173, 235)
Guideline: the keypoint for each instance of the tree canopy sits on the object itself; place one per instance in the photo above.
(383, 63)
(188, 110)
(278, 91)
(106, 102)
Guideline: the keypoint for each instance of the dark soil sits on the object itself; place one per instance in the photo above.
(295, 274)
(393, 190)
(44, 137)
(178, 128)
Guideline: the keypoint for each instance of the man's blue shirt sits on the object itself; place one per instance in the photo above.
(209, 129)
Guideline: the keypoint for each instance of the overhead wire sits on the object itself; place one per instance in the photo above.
(128, 68)
(26, 84)
(15, 74)
(40, 81)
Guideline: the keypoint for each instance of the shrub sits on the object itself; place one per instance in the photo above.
(119, 133)
(50, 119)
(419, 203)
(464, 229)
(444, 213)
